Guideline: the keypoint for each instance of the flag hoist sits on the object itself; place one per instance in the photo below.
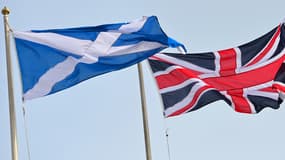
(13, 130)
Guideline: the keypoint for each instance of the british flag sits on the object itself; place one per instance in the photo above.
(249, 77)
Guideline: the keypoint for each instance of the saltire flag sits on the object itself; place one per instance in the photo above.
(249, 77)
(56, 59)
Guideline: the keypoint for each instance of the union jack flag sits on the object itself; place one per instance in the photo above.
(249, 77)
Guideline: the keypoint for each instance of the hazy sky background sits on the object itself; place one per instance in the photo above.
(101, 118)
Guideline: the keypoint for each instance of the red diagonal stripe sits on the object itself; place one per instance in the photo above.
(190, 105)
(268, 47)
(279, 87)
(174, 77)
(269, 89)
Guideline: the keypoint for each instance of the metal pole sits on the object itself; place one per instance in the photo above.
(144, 114)
(13, 130)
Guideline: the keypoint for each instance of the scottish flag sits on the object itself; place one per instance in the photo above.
(56, 59)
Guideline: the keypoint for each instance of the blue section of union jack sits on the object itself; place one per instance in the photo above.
(249, 77)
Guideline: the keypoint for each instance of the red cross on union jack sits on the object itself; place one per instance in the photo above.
(249, 77)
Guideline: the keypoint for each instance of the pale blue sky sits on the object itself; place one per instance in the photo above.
(101, 118)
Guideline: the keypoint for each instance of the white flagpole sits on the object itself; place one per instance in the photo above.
(144, 114)
(13, 129)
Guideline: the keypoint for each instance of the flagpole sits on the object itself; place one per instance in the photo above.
(13, 129)
(144, 114)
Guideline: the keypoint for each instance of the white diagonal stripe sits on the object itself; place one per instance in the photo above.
(89, 51)
(249, 68)
(186, 99)
(167, 71)
(269, 54)
(54, 75)
(51, 77)
(102, 44)
(133, 26)
(271, 51)
(134, 48)
(63, 43)
(255, 90)
(229, 97)
(281, 94)
(100, 47)
(251, 106)
(182, 63)
(215, 73)
(181, 85)
(271, 95)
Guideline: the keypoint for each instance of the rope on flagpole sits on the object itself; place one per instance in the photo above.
(167, 141)
(182, 51)
(164, 120)
(26, 131)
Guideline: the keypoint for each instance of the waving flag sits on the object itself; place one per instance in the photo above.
(249, 77)
(53, 60)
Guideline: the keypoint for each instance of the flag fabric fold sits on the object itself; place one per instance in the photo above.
(56, 59)
(249, 77)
